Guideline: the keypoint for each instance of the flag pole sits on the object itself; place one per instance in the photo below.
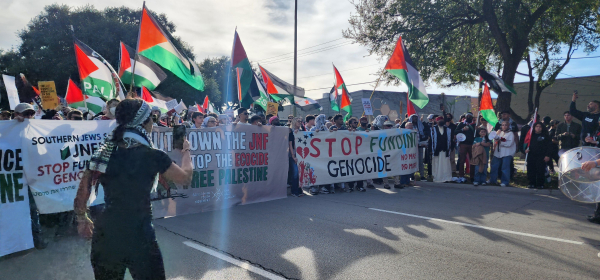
(137, 47)
(373, 92)
(529, 134)
(295, 52)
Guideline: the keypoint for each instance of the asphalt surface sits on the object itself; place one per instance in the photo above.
(477, 233)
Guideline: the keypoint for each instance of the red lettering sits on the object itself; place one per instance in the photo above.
(358, 143)
(265, 140)
(237, 159)
(253, 160)
(55, 166)
(345, 139)
(312, 144)
(330, 141)
(266, 158)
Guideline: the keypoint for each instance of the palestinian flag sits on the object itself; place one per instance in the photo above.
(207, 106)
(76, 99)
(410, 109)
(486, 108)
(307, 104)
(496, 84)
(147, 96)
(333, 99)
(95, 77)
(345, 103)
(238, 73)
(527, 140)
(263, 98)
(277, 88)
(239, 59)
(147, 73)
(402, 66)
(154, 44)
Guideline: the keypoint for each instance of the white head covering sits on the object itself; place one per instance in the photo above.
(320, 123)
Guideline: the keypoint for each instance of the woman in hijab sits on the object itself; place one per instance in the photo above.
(127, 165)
(209, 122)
(320, 123)
(378, 122)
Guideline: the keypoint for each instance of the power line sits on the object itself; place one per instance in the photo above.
(583, 57)
(346, 85)
(582, 78)
(268, 58)
(310, 53)
(345, 70)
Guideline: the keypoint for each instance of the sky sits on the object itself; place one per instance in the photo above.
(266, 29)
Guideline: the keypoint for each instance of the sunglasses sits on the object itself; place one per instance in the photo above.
(77, 118)
(28, 114)
(212, 121)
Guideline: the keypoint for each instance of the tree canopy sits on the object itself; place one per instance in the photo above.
(450, 39)
(46, 50)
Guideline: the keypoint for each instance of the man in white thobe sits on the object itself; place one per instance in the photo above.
(441, 143)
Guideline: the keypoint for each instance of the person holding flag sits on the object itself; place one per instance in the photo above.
(538, 153)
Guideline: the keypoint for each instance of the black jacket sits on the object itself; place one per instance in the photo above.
(539, 145)
(470, 134)
(589, 122)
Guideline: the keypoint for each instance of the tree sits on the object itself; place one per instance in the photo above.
(46, 50)
(450, 39)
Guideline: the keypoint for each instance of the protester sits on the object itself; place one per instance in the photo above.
(364, 124)
(75, 115)
(108, 111)
(389, 125)
(553, 146)
(25, 111)
(441, 143)
(209, 121)
(424, 132)
(225, 120)
(538, 153)
(242, 116)
(594, 140)
(379, 121)
(405, 179)
(449, 118)
(197, 120)
(5, 115)
(505, 148)
(546, 122)
(310, 122)
(465, 147)
(589, 119)
(338, 121)
(256, 120)
(274, 121)
(293, 179)
(480, 156)
(568, 133)
(319, 124)
(123, 237)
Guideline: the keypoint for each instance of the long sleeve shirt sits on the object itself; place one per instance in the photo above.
(568, 142)
(589, 121)
(506, 147)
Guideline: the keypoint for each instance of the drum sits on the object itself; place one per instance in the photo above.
(492, 135)
(573, 181)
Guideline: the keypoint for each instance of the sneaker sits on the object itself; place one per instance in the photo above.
(488, 182)
(463, 179)
(591, 219)
(476, 184)
(386, 186)
(314, 191)
(502, 185)
(324, 190)
(361, 189)
(349, 190)
(483, 184)
(398, 186)
(370, 186)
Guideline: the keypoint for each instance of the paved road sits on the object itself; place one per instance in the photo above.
(432, 231)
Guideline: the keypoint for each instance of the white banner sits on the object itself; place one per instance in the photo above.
(57, 153)
(15, 223)
(344, 156)
(11, 91)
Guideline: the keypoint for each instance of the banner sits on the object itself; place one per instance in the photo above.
(15, 223)
(344, 156)
(57, 154)
(233, 165)
(48, 95)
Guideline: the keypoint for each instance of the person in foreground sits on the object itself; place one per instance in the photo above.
(127, 165)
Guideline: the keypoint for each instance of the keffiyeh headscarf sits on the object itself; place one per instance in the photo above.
(134, 134)
(418, 125)
(320, 123)
(379, 120)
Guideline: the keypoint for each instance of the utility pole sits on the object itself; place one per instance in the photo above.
(295, 53)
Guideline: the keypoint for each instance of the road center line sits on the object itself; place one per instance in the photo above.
(482, 227)
(233, 261)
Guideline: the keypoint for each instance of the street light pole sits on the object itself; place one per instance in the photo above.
(295, 53)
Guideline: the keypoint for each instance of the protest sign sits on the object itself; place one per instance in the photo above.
(366, 102)
(272, 108)
(57, 154)
(229, 112)
(180, 107)
(15, 223)
(344, 156)
(11, 91)
(48, 94)
(171, 104)
(233, 164)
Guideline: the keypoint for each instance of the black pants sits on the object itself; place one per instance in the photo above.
(358, 184)
(36, 227)
(123, 241)
(536, 170)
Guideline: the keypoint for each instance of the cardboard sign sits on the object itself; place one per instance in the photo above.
(366, 102)
(272, 108)
(48, 94)
(180, 107)
(171, 104)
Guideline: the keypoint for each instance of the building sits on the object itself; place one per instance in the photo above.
(390, 103)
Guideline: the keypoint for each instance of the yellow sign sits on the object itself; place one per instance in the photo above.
(48, 95)
(272, 108)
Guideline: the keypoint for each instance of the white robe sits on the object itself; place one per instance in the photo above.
(441, 167)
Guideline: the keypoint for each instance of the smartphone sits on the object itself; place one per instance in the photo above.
(178, 136)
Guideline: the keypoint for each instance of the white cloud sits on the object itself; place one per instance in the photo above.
(266, 28)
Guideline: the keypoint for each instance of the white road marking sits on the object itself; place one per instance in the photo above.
(482, 227)
(233, 261)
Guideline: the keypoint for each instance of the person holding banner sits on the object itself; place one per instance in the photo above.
(386, 180)
(441, 144)
(293, 179)
(127, 165)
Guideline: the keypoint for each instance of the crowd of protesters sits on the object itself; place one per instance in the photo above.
(477, 145)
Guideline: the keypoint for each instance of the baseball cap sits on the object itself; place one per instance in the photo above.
(430, 117)
(22, 107)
